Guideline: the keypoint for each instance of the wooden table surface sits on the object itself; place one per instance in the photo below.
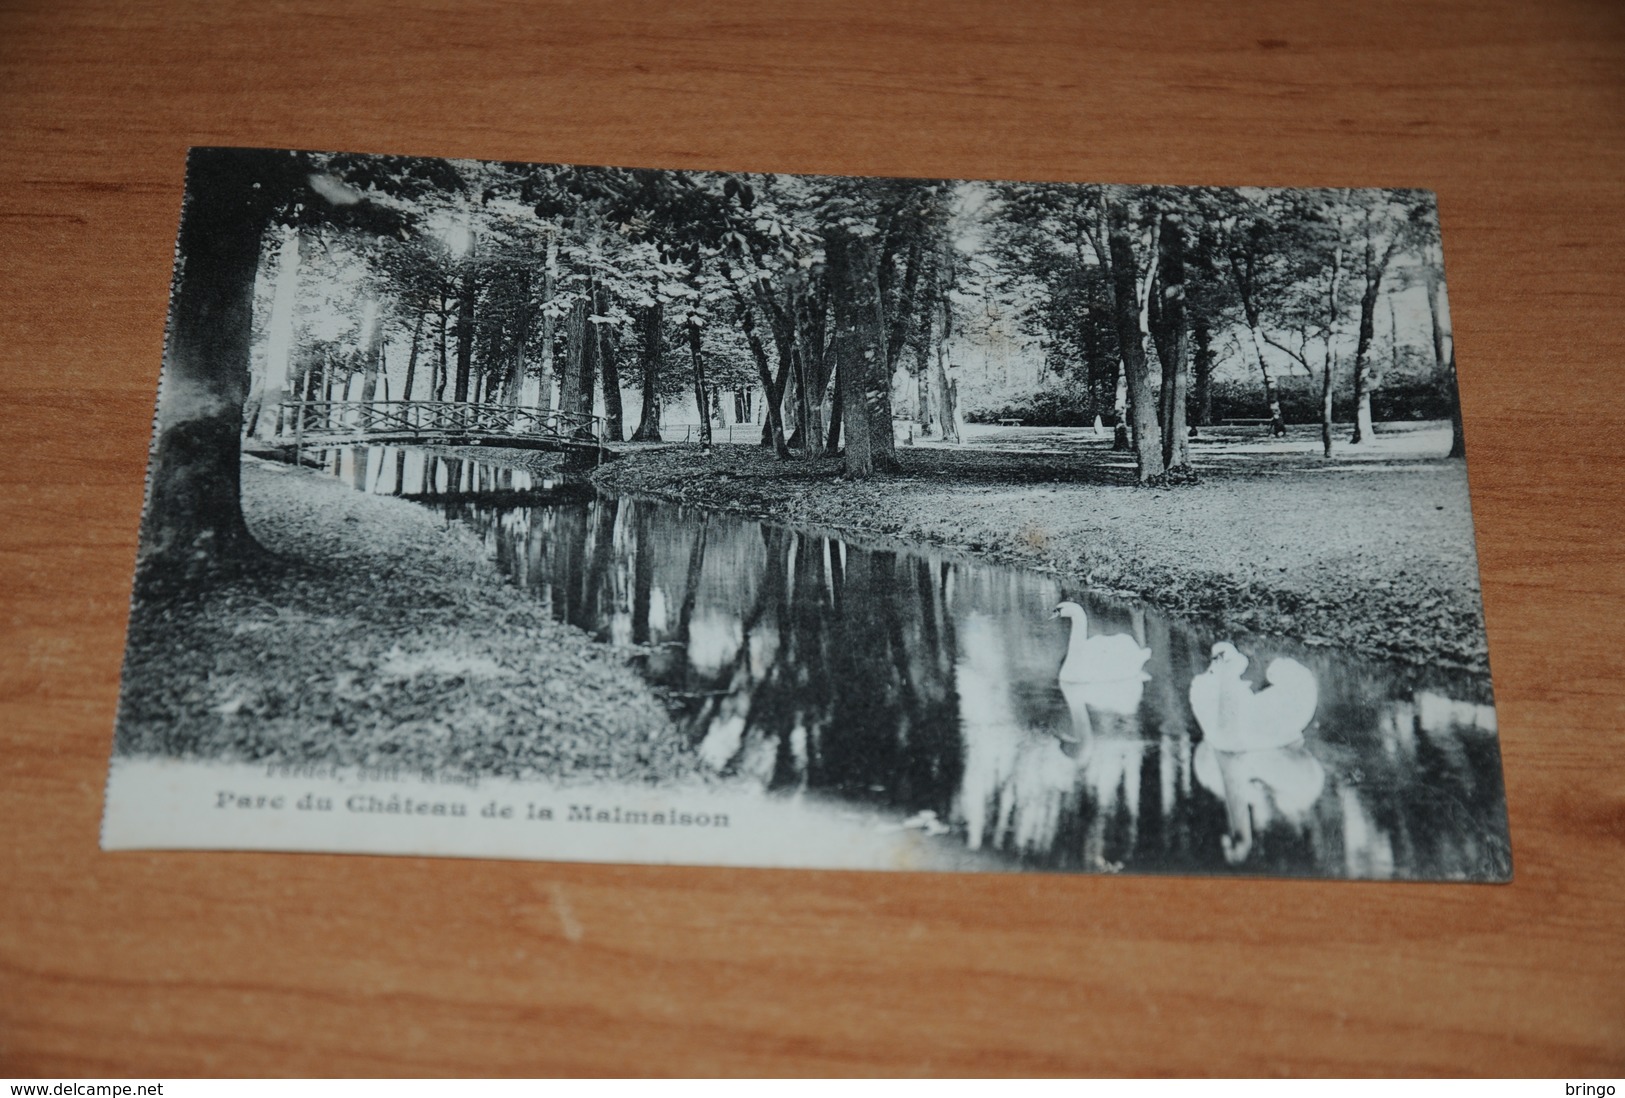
(175, 964)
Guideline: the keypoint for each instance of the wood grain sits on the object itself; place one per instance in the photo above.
(173, 964)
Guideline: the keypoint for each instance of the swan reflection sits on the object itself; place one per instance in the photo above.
(1260, 787)
(1120, 697)
(932, 693)
(1252, 752)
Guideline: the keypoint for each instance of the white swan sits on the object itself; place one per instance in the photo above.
(1234, 718)
(1110, 657)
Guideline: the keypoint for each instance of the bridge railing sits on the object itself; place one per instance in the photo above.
(435, 417)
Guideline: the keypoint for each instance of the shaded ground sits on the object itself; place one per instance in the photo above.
(380, 636)
(1371, 551)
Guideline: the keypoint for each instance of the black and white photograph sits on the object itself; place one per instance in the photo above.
(728, 518)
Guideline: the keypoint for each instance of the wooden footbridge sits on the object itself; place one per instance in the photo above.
(315, 424)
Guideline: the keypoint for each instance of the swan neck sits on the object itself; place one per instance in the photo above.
(1080, 634)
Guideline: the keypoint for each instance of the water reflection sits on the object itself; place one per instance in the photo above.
(427, 475)
(929, 687)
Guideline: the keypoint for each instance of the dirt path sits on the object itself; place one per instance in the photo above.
(381, 636)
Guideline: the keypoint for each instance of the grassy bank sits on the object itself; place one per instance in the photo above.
(379, 635)
(1372, 552)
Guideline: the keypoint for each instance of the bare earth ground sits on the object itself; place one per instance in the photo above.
(1372, 550)
(381, 636)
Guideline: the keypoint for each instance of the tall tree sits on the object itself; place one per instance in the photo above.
(193, 518)
(693, 325)
(1246, 253)
(281, 332)
(1303, 304)
(859, 340)
(1172, 341)
(1130, 296)
(1202, 372)
(650, 353)
(1425, 219)
(1384, 232)
(608, 354)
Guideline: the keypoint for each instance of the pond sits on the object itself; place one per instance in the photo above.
(924, 686)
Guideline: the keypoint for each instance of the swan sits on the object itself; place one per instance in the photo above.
(1110, 657)
(1234, 718)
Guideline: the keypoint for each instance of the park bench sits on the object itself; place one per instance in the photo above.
(1009, 422)
(1265, 422)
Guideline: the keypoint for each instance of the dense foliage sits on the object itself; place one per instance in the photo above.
(827, 309)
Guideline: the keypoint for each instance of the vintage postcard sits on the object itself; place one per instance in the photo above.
(577, 513)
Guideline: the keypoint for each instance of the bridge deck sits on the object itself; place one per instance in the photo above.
(316, 423)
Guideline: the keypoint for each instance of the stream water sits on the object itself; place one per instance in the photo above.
(923, 686)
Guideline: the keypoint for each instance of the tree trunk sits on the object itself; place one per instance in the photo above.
(837, 413)
(882, 433)
(1326, 402)
(412, 357)
(193, 518)
(877, 399)
(281, 331)
(442, 372)
(1363, 381)
(549, 371)
(1249, 308)
(1131, 345)
(1458, 437)
(702, 404)
(1173, 345)
(608, 354)
(783, 323)
(810, 376)
(373, 354)
(859, 344)
(898, 333)
(586, 387)
(1444, 364)
(465, 334)
(922, 399)
(1120, 433)
(949, 412)
(1272, 399)
(1204, 373)
(1329, 363)
(574, 352)
(518, 368)
(877, 364)
(775, 417)
(947, 391)
(650, 338)
(924, 411)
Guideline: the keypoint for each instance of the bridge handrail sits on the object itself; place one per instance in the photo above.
(425, 416)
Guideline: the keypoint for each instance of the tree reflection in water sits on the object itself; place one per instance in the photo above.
(901, 682)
